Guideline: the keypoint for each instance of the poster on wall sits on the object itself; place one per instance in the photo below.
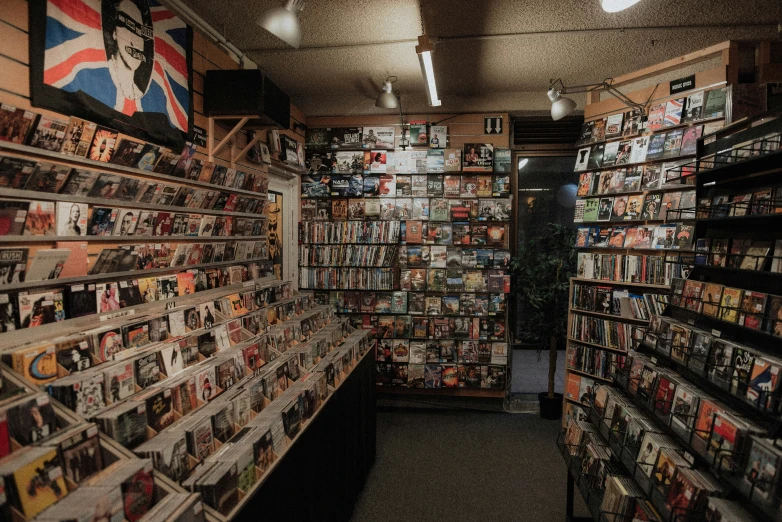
(275, 232)
(124, 64)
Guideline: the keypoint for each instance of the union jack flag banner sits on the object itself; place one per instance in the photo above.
(126, 64)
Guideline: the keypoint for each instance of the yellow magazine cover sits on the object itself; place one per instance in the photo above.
(237, 305)
(38, 363)
(40, 483)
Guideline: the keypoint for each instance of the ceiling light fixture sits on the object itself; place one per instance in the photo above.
(283, 22)
(613, 6)
(424, 50)
(387, 99)
(561, 106)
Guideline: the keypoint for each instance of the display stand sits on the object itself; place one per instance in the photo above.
(443, 329)
(337, 448)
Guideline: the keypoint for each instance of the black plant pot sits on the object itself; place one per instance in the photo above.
(550, 407)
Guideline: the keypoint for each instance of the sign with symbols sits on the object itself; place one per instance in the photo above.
(199, 136)
(492, 125)
(683, 84)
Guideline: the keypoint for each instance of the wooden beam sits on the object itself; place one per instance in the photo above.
(210, 140)
(730, 60)
(227, 137)
(247, 147)
(675, 63)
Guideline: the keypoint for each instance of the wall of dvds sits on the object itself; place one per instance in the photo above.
(140, 330)
(682, 423)
(413, 244)
(635, 177)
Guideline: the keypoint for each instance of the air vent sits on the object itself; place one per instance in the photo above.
(541, 132)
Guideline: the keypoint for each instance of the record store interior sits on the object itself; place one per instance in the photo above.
(384, 260)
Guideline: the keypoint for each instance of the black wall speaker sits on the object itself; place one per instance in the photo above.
(246, 92)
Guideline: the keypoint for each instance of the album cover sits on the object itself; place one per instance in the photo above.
(48, 134)
(478, 157)
(103, 144)
(673, 112)
(38, 481)
(40, 220)
(599, 130)
(610, 153)
(693, 107)
(30, 421)
(149, 156)
(714, 105)
(582, 158)
(377, 137)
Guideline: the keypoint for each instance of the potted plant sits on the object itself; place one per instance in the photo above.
(541, 282)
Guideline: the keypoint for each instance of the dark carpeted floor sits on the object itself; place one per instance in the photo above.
(465, 466)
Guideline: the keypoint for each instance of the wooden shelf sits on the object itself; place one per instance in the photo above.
(451, 392)
(664, 188)
(598, 346)
(29, 195)
(77, 161)
(606, 316)
(620, 283)
(639, 164)
(693, 123)
(95, 278)
(129, 239)
(585, 374)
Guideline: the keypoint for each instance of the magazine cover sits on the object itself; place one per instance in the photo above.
(478, 157)
(378, 137)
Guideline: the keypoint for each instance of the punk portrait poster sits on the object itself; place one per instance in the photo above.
(124, 64)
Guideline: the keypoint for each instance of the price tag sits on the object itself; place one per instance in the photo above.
(691, 321)
(716, 333)
(654, 360)
(689, 458)
(170, 305)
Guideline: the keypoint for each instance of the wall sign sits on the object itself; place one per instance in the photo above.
(199, 136)
(683, 84)
(492, 125)
(125, 65)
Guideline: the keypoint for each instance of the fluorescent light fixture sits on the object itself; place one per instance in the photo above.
(387, 99)
(283, 22)
(424, 50)
(613, 6)
(523, 163)
(560, 106)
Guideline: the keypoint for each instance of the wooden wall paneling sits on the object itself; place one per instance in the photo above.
(674, 63)
(14, 12)
(15, 77)
(14, 43)
(662, 90)
(198, 82)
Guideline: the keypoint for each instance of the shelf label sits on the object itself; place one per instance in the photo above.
(654, 360)
(121, 313)
(691, 321)
(683, 84)
(170, 305)
(689, 458)
(716, 333)
(199, 136)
